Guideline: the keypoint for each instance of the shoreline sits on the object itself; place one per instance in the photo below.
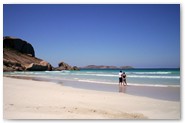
(163, 93)
(28, 99)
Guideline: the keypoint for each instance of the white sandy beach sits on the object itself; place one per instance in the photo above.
(28, 99)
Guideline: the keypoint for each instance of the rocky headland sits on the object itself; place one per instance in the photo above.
(19, 55)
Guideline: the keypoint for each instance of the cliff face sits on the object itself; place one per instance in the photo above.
(19, 45)
(18, 55)
(14, 60)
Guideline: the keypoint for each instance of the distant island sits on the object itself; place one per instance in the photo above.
(105, 67)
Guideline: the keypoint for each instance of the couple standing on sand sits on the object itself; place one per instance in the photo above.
(122, 78)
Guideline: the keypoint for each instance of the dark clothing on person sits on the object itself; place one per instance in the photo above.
(124, 78)
(120, 80)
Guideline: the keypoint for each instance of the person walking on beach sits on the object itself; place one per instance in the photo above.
(124, 78)
(120, 78)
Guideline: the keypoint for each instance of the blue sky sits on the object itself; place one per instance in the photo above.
(142, 36)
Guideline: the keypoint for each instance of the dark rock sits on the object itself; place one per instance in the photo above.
(65, 66)
(9, 65)
(19, 45)
(7, 69)
(42, 66)
(36, 67)
(48, 65)
(75, 68)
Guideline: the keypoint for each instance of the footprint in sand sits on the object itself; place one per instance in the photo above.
(93, 110)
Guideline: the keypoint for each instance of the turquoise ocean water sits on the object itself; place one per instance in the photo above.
(137, 77)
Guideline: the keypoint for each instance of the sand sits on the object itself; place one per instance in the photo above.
(28, 99)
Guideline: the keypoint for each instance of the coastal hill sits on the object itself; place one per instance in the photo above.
(105, 67)
(19, 55)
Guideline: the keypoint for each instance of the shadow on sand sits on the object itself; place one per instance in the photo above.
(122, 89)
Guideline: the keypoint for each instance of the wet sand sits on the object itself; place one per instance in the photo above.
(164, 93)
(28, 99)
